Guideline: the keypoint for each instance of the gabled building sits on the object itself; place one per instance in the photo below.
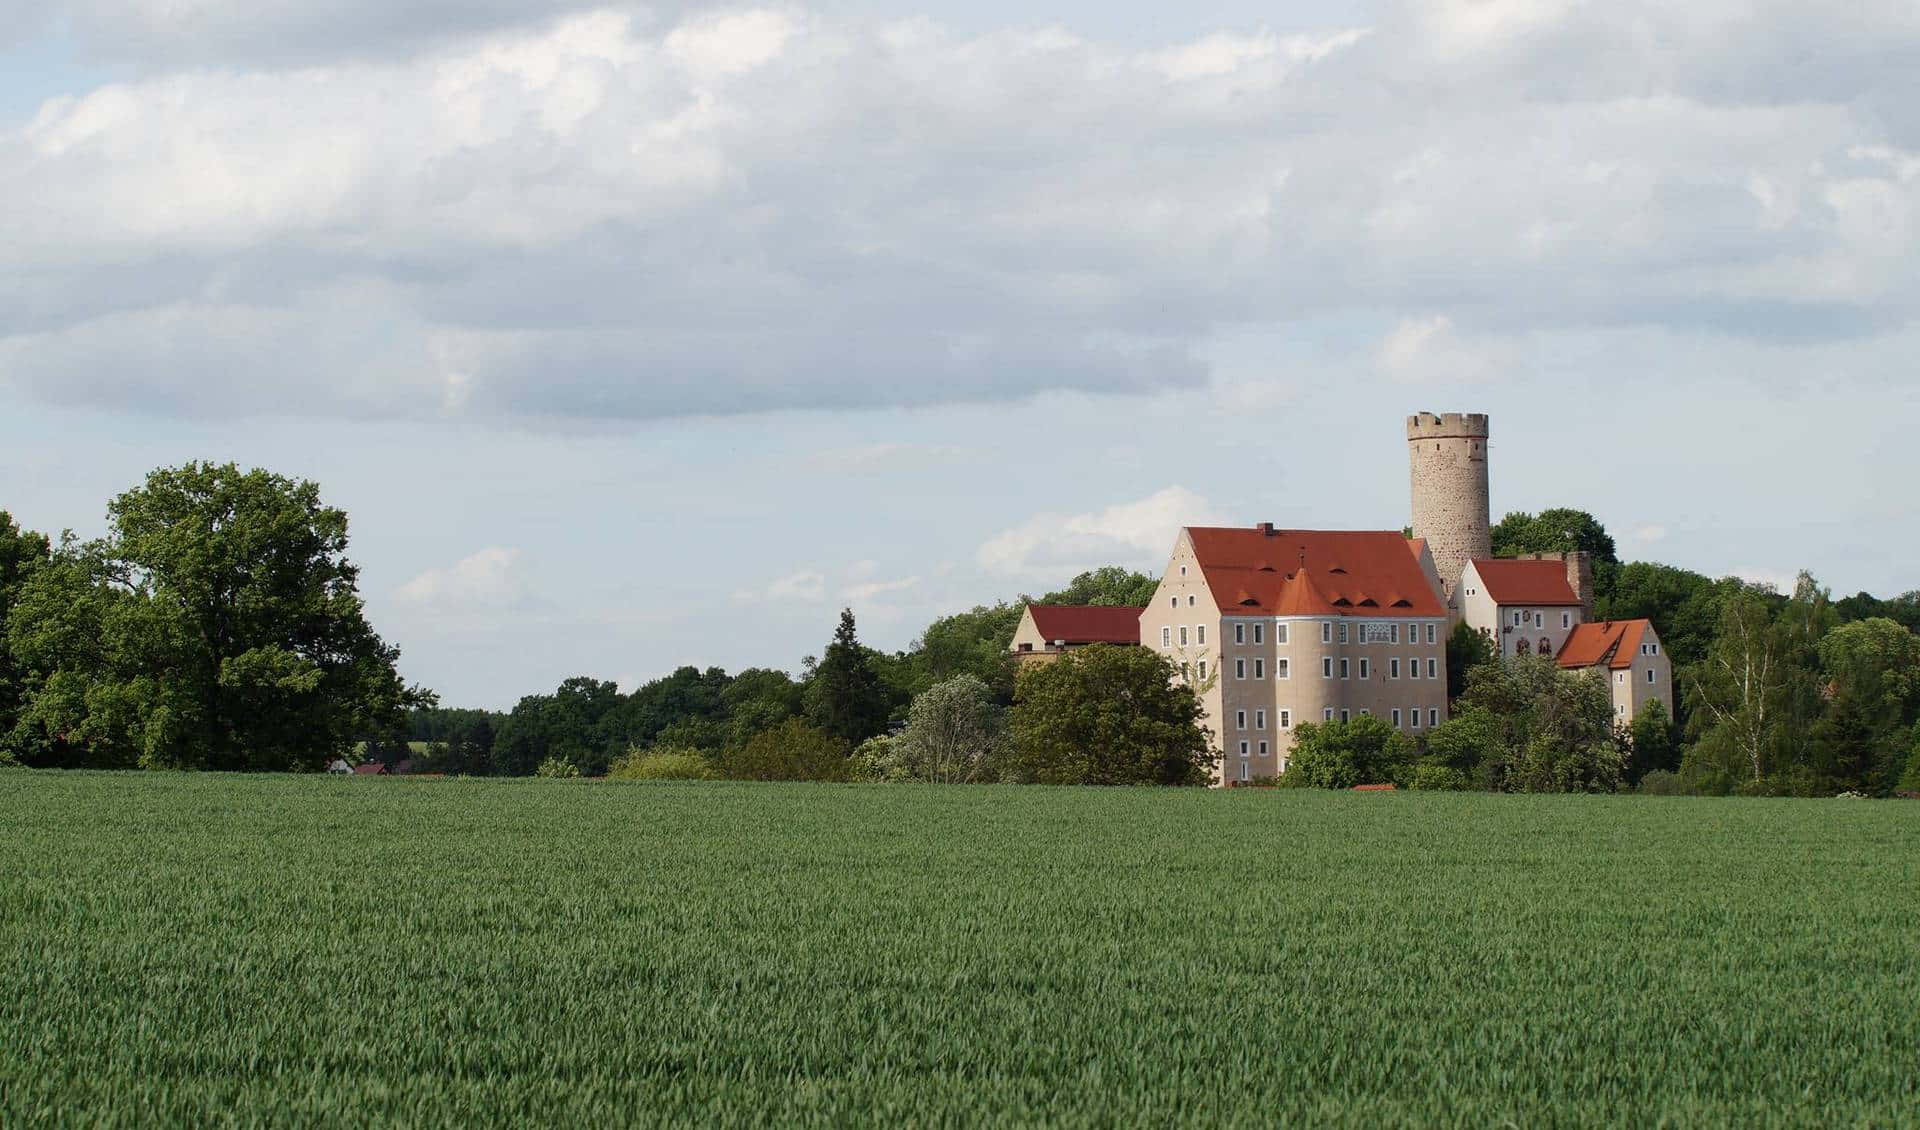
(1278, 627)
(1047, 630)
(1528, 605)
(1628, 654)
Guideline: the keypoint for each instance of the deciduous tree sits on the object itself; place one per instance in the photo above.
(1107, 715)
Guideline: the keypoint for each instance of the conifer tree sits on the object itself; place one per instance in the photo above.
(846, 698)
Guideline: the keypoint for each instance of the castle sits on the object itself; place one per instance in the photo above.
(1277, 627)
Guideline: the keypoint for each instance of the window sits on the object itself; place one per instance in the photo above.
(1203, 670)
(1416, 717)
(1346, 668)
(1366, 668)
(1173, 602)
(1429, 633)
(1343, 631)
(1282, 669)
(1539, 619)
(1286, 719)
(1259, 719)
(1263, 749)
(1396, 718)
(1326, 668)
(1189, 600)
(1566, 619)
(1239, 668)
(1413, 667)
(1393, 668)
(1621, 678)
(1183, 635)
(1258, 633)
(1326, 631)
(1279, 633)
(1378, 633)
(1653, 649)
(1166, 637)
(1239, 719)
(1329, 714)
(1652, 675)
(1393, 633)
(1239, 633)
(1346, 716)
(1364, 712)
(1243, 768)
(1259, 668)
(1183, 570)
(1433, 717)
(1245, 774)
(1620, 710)
(1517, 618)
(1433, 668)
(1200, 634)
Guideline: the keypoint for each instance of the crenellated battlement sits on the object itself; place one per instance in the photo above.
(1450, 425)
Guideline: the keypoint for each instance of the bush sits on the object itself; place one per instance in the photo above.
(1340, 755)
(791, 751)
(1662, 782)
(556, 767)
(1105, 715)
(881, 759)
(1429, 776)
(664, 763)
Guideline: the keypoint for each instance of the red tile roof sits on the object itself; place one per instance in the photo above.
(1526, 582)
(1086, 623)
(1614, 643)
(1254, 571)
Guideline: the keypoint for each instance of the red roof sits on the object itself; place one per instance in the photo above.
(1526, 582)
(1610, 642)
(1086, 623)
(370, 769)
(1256, 571)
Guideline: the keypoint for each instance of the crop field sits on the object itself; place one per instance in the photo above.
(212, 950)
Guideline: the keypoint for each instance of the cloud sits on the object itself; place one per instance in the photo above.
(1137, 533)
(807, 586)
(490, 580)
(868, 590)
(539, 212)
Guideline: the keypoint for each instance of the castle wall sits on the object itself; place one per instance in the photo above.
(1452, 506)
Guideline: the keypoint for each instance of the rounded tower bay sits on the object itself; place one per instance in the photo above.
(1451, 507)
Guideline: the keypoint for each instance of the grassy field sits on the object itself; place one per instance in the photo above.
(223, 950)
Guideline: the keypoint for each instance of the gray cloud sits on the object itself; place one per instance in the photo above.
(600, 216)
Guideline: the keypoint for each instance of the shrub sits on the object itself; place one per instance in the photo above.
(1428, 776)
(880, 759)
(1340, 755)
(791, 751)
(1104, 715)
(664, 763)
(1662, 782)
(954, 733)
(556, 767)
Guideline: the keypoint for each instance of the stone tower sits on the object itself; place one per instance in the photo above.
(1451, 508)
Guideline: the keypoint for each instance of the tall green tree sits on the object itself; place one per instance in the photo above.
(1109, 585)
(1654, 742)
(845, 697)
(1872, 686)
(1105, 715)
(955, 732)
(1524, 725)
(1559, 530)
(1340, 755)
(22, 552)
(218, 625)
(1467, 648)
(1755, 699)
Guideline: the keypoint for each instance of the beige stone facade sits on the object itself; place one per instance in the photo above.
(1452, 508)
(1630, 656)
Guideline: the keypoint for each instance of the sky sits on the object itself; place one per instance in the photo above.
(632, 336)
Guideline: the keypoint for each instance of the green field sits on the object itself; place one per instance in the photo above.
(222, 950)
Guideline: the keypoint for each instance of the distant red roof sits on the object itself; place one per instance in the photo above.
(1258, 571)
(1613, 643)
(1526, 582)
(370, 769)
(1086, 623)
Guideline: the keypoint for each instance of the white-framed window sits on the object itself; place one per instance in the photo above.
(1366, 668)
(1282, 669)
(1396, 718)
(1433, 717)
(1239, 633)
(1416, 717)
(1346, 668)
(1328, 714)
(1393, 668)
(1259, 668)
(1413, 667)
(1166, 637)
(1259, 719)
(1259, 631)
(1279, 633)
(1243, 768)
(1620, 678)
(1183, 570)
(1653, 676)
(1183, 635)
(1203, 670)
(1517, 621)
(1173, 602)
(1239, 668)
(1539, 619)
(1433, 668)
(1286, 719)
(1343, 631)
(1346, 716)
(1364, 712)
(1263, 749)
(1371, 632)
(1326, 668)
(1200, 634)
(1620, 710)
(1430, 633)
(1393, 633)
(1326, 631)
(1246, 774)
(1189, 600)
(1653, 649)
(1566, 619)
(1239, 719)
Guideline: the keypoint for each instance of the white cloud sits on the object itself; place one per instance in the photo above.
(1429, 349)
(1137, 533)
(1779, 580)
(731, 43)
(491, 580)
(868, 590)
(807, 586)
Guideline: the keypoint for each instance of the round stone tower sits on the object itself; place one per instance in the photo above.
(1451, 508)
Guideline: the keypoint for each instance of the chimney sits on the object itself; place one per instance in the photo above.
(1265, 528)
(1580, 580)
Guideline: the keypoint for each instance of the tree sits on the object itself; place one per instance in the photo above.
(1872, 672)
(1110, 585)
(570, 724)
(1756, 696)
(1554, 531)
(217, 626)
(845, 697)
(791, 751)
(1685, 607)
(975, 642)
(1534, 728)
(1340, 755)
(1106, 715)
(1467, 648)
(22, 553)
(1654, 742)
(954, 732)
